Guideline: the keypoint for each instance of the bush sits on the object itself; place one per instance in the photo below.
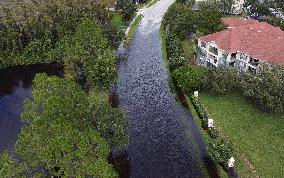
(202, 113)
(219, 149)
(266, 87)
(221, 80)
(174, 51)
(189, 78)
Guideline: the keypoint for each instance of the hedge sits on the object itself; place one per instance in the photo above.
(218, 147)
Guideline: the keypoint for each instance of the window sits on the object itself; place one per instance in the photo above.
(232, 63)
(203, 44)
(234, 55)
(213, 50)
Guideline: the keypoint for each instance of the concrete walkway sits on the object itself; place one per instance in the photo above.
(162, 134)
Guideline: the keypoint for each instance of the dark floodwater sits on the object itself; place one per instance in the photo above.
(164, 141)
(15, 86)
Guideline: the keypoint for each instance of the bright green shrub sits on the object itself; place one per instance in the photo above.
(266, 87)
(219, 149)
(189, 78)
(201, 111)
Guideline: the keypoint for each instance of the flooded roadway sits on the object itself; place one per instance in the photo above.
(162, 133)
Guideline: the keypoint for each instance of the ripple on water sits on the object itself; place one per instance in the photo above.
(158, 125)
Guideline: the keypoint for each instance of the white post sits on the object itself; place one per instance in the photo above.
(210, 123)
(196, 94)
(231, 162)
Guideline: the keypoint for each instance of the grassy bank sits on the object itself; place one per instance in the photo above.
(132, 30)
(258, 136)
(205, 134)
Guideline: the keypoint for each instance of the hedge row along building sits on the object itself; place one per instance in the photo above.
(244, 44)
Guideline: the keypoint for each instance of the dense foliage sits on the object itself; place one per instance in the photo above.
(110, 122)
(266, 87)
(221, 80)
(189, 78)
(181, 22)
(30, 30)
(174, 51)
(67, 133)
(88, 55)
(127, 8)
(9, 166)
(218, 147)
(224, 6)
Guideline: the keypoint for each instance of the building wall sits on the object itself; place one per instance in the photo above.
(237, 59)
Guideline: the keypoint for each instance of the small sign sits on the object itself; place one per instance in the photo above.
(210, 123)
(231, 162)
(196, 94)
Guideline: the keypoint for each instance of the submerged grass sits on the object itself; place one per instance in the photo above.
(132, 31)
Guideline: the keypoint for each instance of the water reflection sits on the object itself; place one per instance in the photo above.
(15, 86)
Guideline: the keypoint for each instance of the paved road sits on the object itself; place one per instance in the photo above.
(161, 131)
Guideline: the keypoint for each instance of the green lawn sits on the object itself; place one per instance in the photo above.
(132, 30)
(258, 136)
(188, 51)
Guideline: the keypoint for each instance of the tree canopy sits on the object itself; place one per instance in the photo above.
(66, 132)
(89, 54)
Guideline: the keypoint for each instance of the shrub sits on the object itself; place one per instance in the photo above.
(174, 51)
(221, 80)
(189, 78)
(266, 87)
(202, 113)
(219, 149)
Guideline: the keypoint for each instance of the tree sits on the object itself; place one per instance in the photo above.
(265, 88)
(66, 133)
(110, 122)
(224, 6)
(10, 167)
(89, 54)
(127, 8)
(31, 30)
(189, 78)
(209, 21)
(221, 80)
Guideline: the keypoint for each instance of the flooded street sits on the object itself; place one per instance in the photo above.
(162, 133)
(15, 86)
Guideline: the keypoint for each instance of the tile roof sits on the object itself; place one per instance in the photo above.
(236, 22)
(257, 39)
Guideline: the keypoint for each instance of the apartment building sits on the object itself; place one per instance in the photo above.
(244, 45)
